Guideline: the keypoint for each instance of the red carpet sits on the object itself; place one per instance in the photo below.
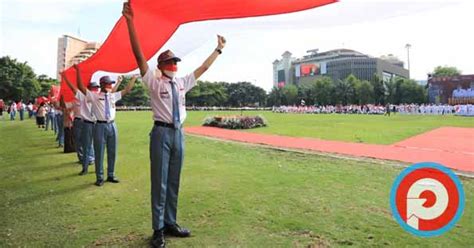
(452, 147)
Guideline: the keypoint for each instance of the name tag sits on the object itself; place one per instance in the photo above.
(164, 94)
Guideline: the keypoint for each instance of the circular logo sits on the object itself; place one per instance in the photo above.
(427, 199)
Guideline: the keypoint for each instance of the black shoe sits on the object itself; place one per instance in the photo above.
(82, 173)
(99, 183)
(113, 180)
(176, 231)
(158, 239)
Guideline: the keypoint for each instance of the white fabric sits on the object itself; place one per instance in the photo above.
(161, 95)
(98, 104)
(84, 108)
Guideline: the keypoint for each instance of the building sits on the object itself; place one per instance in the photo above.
(336, 64)
(72, 50)
(441, 89)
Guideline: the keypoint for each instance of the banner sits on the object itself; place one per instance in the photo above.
(156, 21)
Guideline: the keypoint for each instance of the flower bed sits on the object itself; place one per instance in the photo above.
(235, 122)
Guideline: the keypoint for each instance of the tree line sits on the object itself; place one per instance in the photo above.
(19, 82)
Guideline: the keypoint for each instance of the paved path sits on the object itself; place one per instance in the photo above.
(452, 147)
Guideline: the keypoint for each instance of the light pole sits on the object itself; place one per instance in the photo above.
(408, 46)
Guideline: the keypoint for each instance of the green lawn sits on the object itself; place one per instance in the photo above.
(374, 129)
(232, 195)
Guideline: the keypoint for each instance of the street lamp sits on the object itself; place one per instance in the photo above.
(408, 46)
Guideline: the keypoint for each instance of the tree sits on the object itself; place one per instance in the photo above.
(137, 97)
(411, 92)
(323, 91)
(17, 80)
(45, 84)
(446, 71)
(378, 90)
(207, 94)
(345, 90)
(351, 82)
(290, 95)
(275, 97)
(364, 91)
(390, 90)
(245, 94)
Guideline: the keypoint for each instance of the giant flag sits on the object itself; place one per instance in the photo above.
(155, 21)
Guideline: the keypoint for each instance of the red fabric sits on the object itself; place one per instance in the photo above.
(41, 99)
(53, 95)
(155, 22)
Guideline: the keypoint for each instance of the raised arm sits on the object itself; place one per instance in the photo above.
(80, 84)
(117, 85)
(129, 86)
(69, 84)
(210, 60)
(61, 102)
(127, 12)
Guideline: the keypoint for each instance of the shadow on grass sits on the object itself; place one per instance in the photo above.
(38, 196)
(40, 182)
(54, 166)
(128, 240)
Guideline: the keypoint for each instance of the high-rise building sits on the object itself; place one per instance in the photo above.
(72, 50)
(336, 64)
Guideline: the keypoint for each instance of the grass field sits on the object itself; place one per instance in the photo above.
(374, 129)
(232, 195)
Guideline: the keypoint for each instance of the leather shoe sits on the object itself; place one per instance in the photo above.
(158, 239)
(113, 180)
(176, 231)
(82, 173)
(99, 183)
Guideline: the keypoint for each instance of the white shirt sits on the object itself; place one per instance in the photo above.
(84, 108)
(161, 95)
(98, 104)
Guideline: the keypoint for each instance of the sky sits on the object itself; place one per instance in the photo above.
(437, 30)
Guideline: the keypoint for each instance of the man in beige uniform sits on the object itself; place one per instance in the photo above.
(167, 95)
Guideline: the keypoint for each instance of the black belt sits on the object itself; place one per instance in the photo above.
(105, 121)
(164, 124)
(77, 119)
(90, 122)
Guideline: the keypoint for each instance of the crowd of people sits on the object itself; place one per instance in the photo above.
(463, 93)
(371, 109)
(17, 108)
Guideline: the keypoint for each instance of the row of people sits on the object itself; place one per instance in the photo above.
(463, 93)
(15, 108)
(94, 115)
(423, 109)
(94, 125)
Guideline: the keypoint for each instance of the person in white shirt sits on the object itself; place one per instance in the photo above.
(13, 110)
(49, 117)
(29, 108)
(21, 109)
(105, 130)
(84, 123)
(167, 93)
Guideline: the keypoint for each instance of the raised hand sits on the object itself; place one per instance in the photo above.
(127, 11)
(220, 42)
